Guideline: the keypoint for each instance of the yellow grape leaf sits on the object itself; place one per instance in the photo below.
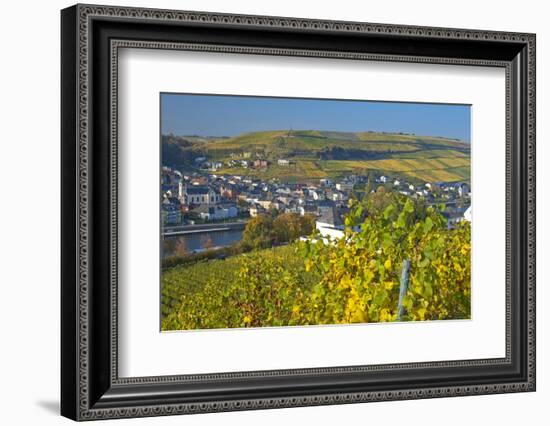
(421, 313)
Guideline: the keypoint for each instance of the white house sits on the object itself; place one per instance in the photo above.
(329, 224)
(207, 212)
(255, 210)
(338, 196)
(468, 214)
(344, 186)
(463, 190)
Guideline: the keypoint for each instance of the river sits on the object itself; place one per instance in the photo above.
(200, 240)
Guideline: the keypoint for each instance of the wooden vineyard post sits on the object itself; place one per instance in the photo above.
(403, 285)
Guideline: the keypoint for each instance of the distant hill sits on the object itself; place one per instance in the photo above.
(315, 154)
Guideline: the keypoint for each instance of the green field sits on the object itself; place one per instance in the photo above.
(320, 154)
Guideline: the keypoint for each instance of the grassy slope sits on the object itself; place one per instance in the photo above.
(425, 158)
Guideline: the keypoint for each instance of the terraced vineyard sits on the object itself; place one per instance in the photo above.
(428, 169)
(320, 154)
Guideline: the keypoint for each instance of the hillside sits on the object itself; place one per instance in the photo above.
(317, 154)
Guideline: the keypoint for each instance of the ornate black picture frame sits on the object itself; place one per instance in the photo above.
(91, 36)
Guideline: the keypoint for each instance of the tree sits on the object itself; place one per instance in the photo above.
(169, 245)
(241, 203)
(286, 227)
(307, 224)
(206, 242)
(273, 212)
(377, 201)
(180, 248)
(258, 232)
(370, 183)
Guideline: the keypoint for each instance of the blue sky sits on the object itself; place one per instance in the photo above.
(222, 115)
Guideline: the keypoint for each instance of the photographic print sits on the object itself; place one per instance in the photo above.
(299, 212)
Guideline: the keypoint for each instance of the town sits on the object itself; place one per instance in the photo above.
(203, 197)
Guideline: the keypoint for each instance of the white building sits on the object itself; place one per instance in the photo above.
(217, 212)
(200, 195)
(468, 214)
(463, 190)
(329, 224)
(255, 210)
(344, 186)
(338, 196)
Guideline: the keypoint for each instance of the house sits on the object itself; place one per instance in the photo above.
(217, 212)
(344, 186)
(265, 204)
(455, 215)
(277, 205)
(171, 211)
(261, 163)
(329, 224)
(468, 214)
(199, 194)
(228, 192)
(171, 182)
(199, 180)
(283, 162)
(256, 210)
(316, 194)
(463, 189)
(326, 182)
(338, 196)
(307, 209)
